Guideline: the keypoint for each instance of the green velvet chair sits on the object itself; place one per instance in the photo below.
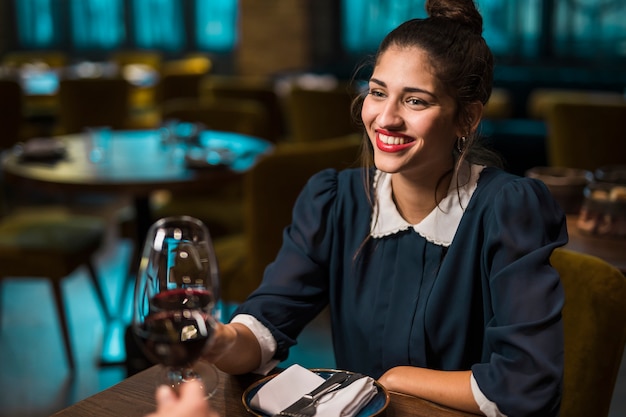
(178, 85)
(50, 243)
(540, 100)
(594, 319)
(90, 102)
(257, 89)
(314, 114)
(499, 106)
(586, 134)
(231, 115)
(181, 78)
(270, 192)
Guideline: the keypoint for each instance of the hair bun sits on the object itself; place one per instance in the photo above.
(464, 12)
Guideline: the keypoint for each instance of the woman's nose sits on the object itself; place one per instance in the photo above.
(389, 116)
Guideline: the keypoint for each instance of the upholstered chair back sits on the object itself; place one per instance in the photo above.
(91, 102)
(315, 114)
(270, 191)
(594, 319)
(586, 135)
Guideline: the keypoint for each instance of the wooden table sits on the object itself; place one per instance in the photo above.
(134, 397)
(611, 249)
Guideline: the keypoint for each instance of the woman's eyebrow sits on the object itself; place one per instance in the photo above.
(405, 89)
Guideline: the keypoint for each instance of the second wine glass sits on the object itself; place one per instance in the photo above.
(176, 295)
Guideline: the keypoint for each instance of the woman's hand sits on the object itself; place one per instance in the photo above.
(234, 349)
(450, 388)
(189, 403)
(224, 338)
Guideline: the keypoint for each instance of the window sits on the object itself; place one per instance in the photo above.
(521, 30)
(103, 25)
(37, 23)
(215, 24)
(158, 24)
(590, 28)
(97, 24)
(366, 22)
(512, 27)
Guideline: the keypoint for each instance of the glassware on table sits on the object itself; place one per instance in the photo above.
(567, 185)
(175, 300)
(180, 137)
(603, 212)
(98, 143)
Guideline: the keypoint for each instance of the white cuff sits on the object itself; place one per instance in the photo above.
(265, 339)
(489, 408)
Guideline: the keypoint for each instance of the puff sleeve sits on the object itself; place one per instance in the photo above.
(295, 286)
(522, 364)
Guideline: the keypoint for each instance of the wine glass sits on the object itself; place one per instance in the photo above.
(175, 300)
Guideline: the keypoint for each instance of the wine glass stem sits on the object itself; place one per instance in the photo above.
(188, 374)
(179, 375)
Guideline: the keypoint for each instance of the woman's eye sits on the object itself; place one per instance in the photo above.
(376, 93)
(416, 102)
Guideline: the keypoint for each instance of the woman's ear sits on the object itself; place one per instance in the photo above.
(475, 114)
(470, 118)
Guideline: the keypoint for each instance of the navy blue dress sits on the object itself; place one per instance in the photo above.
(490, 302)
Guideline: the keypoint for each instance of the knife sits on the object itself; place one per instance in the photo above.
(335, 381)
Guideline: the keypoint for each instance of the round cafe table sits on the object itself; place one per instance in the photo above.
(132, 164)
(135, 164)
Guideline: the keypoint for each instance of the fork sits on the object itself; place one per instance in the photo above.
(309, 410)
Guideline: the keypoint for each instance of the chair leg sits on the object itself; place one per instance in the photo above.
(58, 298)
(131, 275)
(99, 291)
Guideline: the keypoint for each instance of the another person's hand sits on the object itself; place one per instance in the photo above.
(189, 403)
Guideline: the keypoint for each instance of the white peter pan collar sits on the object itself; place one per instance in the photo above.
(440, 225)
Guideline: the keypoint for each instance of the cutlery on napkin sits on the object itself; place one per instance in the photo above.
(294, 382)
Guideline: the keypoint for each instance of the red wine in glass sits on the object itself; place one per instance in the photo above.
(176, 294)
(183, 299)
(177, 331)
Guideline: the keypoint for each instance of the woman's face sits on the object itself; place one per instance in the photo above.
(409, 118)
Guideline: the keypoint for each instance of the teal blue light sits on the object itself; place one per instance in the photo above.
(97, 24)
(509, 25)
(159, 24)
(216, 24)
(366, 22)
(35, 23)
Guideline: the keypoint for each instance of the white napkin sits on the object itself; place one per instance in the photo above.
(291, 384)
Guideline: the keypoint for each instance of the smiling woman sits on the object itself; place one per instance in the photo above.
(434, 263)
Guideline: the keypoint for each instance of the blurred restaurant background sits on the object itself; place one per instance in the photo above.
(574, 45)
(283, 71)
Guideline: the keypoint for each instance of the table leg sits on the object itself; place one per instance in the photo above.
(143, 221)
(113, 350)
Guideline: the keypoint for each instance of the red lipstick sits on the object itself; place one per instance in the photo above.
(387, 143)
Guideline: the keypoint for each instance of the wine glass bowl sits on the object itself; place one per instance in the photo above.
(176, 294)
